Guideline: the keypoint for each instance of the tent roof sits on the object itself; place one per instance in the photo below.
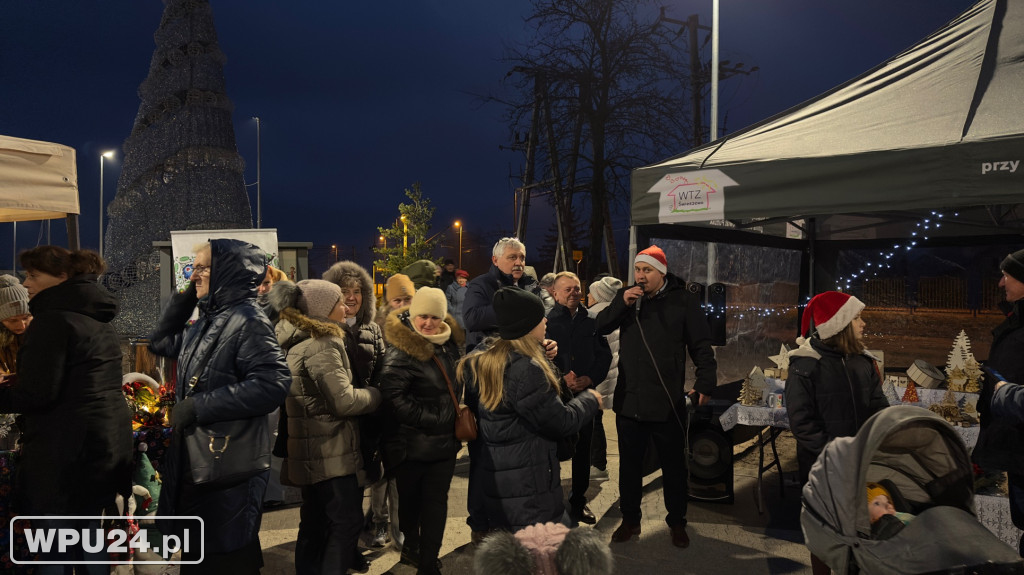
(937, 126)
(38, 180)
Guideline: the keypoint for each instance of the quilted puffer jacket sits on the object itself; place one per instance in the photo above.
(518, 469)
(323, 434)
(246, 377)
(419, 412)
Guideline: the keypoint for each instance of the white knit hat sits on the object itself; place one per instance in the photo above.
(605, 289)
(13, 297)
(429, 301)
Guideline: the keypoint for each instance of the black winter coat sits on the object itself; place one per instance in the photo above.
(518, 472)
(828, 396)
(77, 432)
(1001, 441)
(672, 322)
(580, 348)
(419, 412)
(246, 377)
(478, 308)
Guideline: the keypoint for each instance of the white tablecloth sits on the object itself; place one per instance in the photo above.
(761, 416)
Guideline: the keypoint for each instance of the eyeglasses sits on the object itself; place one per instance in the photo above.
(201, 271)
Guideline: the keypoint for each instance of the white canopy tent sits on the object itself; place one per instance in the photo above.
(38, 181)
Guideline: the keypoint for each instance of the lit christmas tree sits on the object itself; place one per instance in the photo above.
(181, 170)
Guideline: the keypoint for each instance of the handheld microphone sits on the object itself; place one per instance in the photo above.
(639, 299)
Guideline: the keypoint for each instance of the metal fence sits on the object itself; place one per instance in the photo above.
(935, 293)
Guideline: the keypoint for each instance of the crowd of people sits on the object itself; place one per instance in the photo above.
(369, 398)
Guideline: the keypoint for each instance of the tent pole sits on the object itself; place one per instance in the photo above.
(632, 253)
(72, 221)
(812, 233)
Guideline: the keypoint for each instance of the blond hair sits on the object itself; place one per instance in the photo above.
(487, 368)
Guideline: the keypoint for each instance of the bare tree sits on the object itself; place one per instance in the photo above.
(606, 90)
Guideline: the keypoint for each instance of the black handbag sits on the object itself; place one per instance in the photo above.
(226, 452)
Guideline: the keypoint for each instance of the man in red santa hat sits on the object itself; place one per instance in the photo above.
(658, 319)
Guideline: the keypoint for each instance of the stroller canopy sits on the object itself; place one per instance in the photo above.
(911, 446)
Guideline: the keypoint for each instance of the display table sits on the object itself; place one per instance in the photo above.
(772, 421)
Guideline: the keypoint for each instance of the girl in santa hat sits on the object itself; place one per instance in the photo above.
(834, 384)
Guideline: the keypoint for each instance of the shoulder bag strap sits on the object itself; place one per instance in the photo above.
(202, 366)
(451, 390)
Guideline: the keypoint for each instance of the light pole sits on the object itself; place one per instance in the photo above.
(384, 241)
(714, 71)
(405, 236)
(259, 180)
(334, 250)
(458, 224)
(107, 154)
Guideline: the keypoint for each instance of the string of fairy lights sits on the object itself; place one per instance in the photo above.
(870, 269)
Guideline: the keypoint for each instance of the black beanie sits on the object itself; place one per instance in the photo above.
(517, 311)
(1013, 265)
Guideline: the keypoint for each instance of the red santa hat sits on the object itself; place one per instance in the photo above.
(829, 313)
(654, 256)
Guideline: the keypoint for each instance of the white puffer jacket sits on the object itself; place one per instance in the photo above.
(607, 387)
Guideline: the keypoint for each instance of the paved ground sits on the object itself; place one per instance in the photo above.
(724, 538)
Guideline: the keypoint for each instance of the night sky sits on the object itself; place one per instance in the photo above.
(358, 100)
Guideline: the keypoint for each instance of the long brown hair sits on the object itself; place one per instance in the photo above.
(846, 341)
(488, 367)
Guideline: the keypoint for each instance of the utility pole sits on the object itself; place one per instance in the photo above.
(531, 154)
(700, 73)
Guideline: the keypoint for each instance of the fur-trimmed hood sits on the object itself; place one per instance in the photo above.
(342, 273)
(399, 333)
(295, 327)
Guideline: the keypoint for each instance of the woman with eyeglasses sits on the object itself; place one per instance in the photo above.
(76, 443)
(230, 369)
(419, 444)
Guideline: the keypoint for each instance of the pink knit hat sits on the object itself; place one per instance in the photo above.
(542, 541)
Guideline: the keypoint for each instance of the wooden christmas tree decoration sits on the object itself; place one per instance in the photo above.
(753, 388)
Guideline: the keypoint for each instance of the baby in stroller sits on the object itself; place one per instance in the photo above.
(924, 469)
(885, 520)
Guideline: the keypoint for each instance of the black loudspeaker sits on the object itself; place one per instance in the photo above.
(710, 457)
(716, 313)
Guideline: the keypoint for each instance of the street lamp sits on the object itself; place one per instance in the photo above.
(334, 250)
(458, 224)
(107, 154)
(384, 241)
(259, 180)
(405, 236)
(714, 71)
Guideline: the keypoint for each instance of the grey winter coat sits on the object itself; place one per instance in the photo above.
(246, 378)
(323, 434)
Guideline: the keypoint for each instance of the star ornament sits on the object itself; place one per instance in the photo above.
(781, 360)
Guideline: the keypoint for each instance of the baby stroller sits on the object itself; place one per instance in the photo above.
(924, 465)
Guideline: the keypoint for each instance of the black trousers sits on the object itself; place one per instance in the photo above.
(669, 441)
(475, 503)
(423, 512)
(581, 467)
(330, 520)
(599, 445)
